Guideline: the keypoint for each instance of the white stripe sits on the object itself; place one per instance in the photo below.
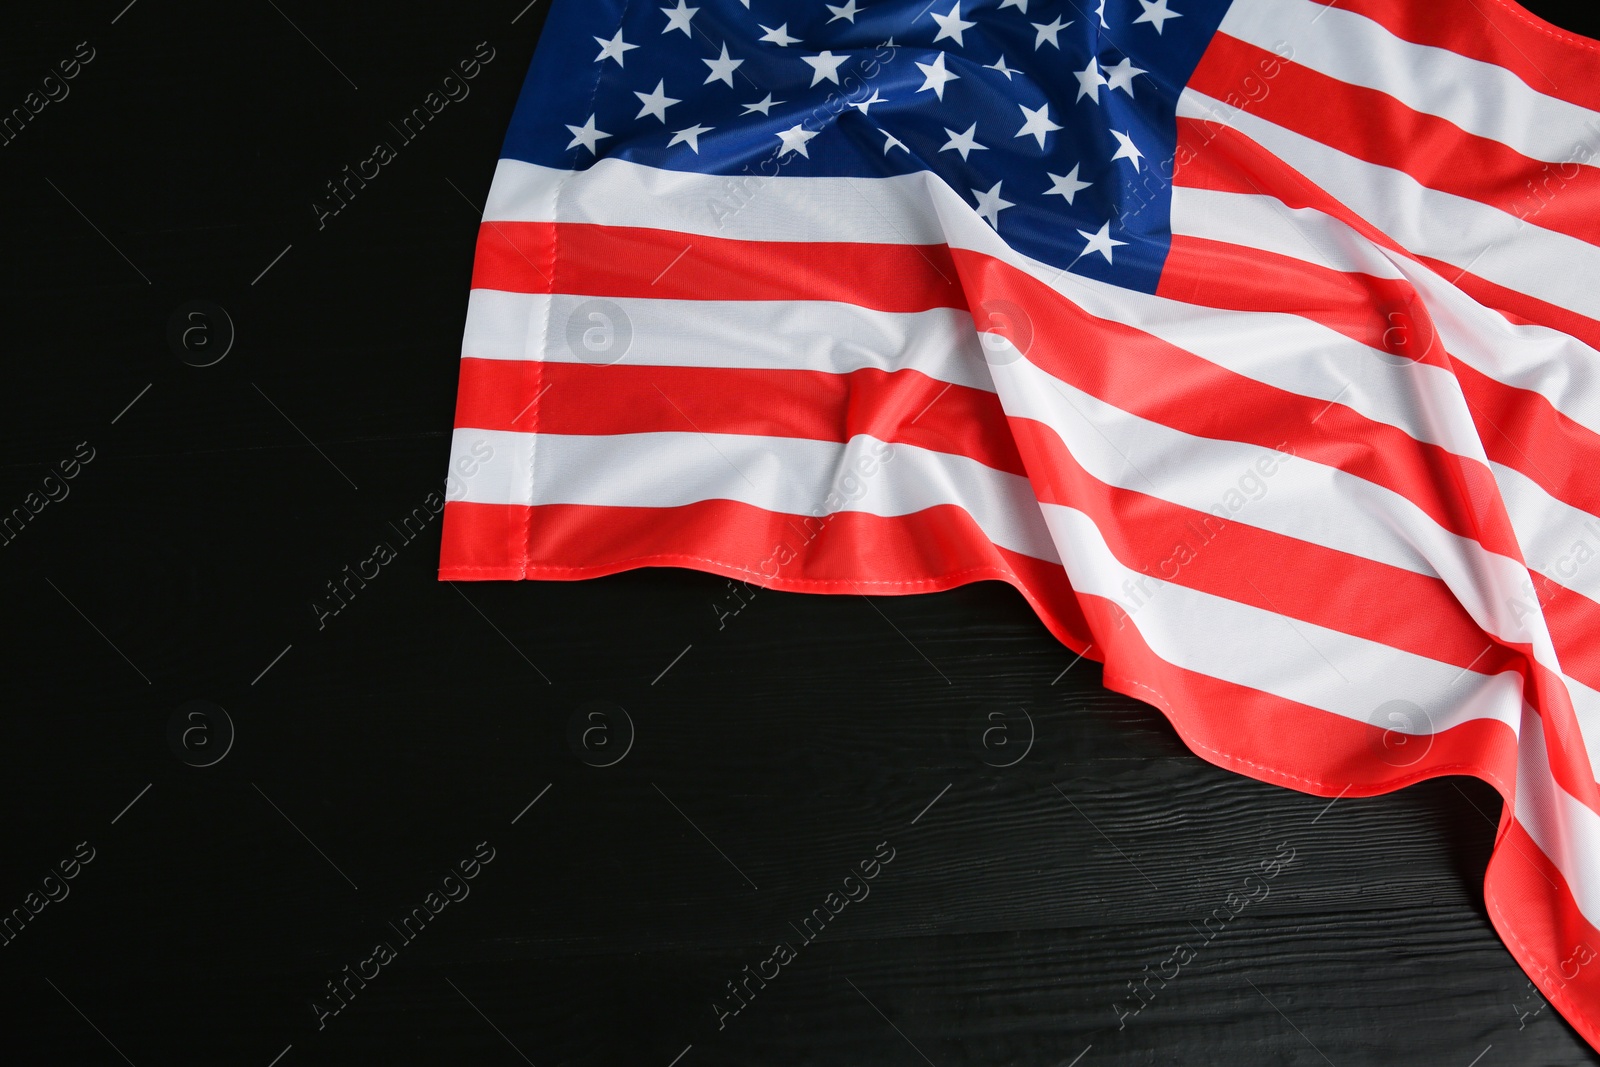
(1558, 540)
(1493, 244)
(815, 335)
(1479, 97)
(1566, 831)
(1295, 660)
(614, 192)
(1286, 351)
(782, 474)
(1562, 543)
(1297, 498)
(1586, 708)
(1268, 224)
(1301, 356)
(1558, 366)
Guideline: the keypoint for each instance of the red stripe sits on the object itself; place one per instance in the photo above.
(1215, 157)
(1434, 151)
(485, 542)
(1381, 313)
(1275, 740)
(1533, 909)
(901, 407)
(634, 262)
(1519, 428)
(1549, 59)
(1517, 307)
(848, 552)
(1573, 620)
(1522, 430)
(1221, 554)
(1148, 377)
(1352, 595)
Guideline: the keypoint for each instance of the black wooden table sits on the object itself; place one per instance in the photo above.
(609, 822)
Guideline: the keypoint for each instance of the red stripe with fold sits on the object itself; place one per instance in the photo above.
(1215, 157)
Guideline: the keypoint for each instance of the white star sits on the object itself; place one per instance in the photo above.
(780, 36)
(1121, 76)
(1156, 12)
(1127, 151)
(1020, 5)
(615, 48)
(1100, 241)
(951, 25)
(678, 18)
(586, 135)
(1048, 33)
(990, 205)
(1066, 185)
(891, 141)
(1089, 81)
(826, 66)
(877, 98)
(722, 68)
(936, 76)
(1038, 122)
(655, 103)
(962, 142)
(848, 11)
(763, 106)
(690, 137)
(794, 140)
(1000, 65)
(1101, 12)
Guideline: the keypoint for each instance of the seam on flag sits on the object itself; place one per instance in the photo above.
(1549, 29)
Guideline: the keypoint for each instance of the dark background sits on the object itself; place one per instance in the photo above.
(760, 761)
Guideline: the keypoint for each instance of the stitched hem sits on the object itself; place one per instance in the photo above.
(1549, 29)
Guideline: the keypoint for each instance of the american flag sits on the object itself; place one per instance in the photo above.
(1254, 342)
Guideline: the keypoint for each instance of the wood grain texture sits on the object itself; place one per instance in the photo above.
(769, 756)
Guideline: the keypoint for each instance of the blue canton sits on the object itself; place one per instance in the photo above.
(1056, 121)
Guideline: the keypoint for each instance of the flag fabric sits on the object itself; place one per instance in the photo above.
(1253, 342)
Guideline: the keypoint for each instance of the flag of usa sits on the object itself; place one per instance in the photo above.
(1254, 342)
